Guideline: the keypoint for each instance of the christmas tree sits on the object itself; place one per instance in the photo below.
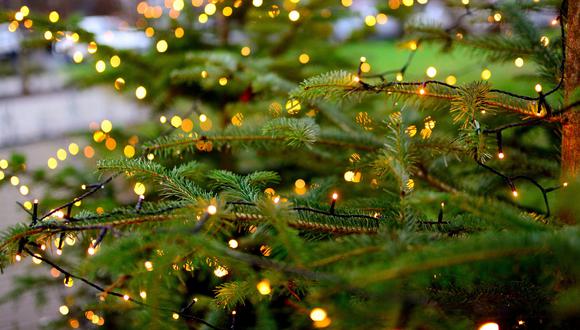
(353, 199)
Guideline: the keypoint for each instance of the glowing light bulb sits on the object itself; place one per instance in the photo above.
(233, 244)
(175, 316)
(18, 257)
(264, 287)
(149, 265)
(515, 193)
(91, 250)
(59, 252)
(318, 314)
(500, 155)
(335, 196)
(211, 209)
(489, 326)
(276, 199)
(126, 297)
(68, 282)
(422, 91)
(143, 294)
(565, 184)
(538, 88)
(63, 310)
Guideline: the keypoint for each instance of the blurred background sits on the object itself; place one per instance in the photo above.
(48, 119)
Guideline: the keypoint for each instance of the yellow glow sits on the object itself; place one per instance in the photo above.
(24, 190)
(370, 20)
(365, 67)
(408, 3)
(78, 57)
(150, 156)
(293, 106)
(175, 316)
(538, 88)
(501, 155)
(202, 18)
(220, 271)
(210, 9)
(465, 2)
(53, 16)
(126, 297)
(129, 151)
(68, 281)
(431, 72)
(382, 19)
(106, 126)
(162, 46)
(212, 209)
(204, 74)
(318, 314)
(92, 47)
(63, 310)
(245, 51)
(346, 3)
(451, 80)
(143, 294)
(399, 76)
(348, 176)
(300, 183)
(257, 3)
(274, 11)
(179, 32)
(3, 164)
(2, 175)
(497, 17)
(140, 92)
(223, 81)
(52, 163)
(148, 265)
(163, 119)
(304, 58)
(178, 5)
(139, 188)
(334, 196)
(519, 62)
(176, 121)
(28, 206)
(61, 154)
(233, 244)
(422, 91)
(422, 2)
(100, 66)
(294, 15)
(485, 74)
(264, 287)
(99, 136)
(25, 10)
(119, 83)
(115, 61)
(489, 326)
(202, 118)
(227, 11)
(73, 148)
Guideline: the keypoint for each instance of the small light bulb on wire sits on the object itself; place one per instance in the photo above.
(18, 257)
(515, 193)
(538, 88)
(212, 209)
(500, 155)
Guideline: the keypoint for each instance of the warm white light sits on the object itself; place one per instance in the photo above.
(318, 314)
(489, 326)
(500, 155)
(538, 88)
(211, 209)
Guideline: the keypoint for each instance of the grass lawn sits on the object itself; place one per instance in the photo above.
(464, 64)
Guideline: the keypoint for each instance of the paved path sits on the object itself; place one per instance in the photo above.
(36, 126)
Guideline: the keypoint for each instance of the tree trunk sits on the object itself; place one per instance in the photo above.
(571, 120)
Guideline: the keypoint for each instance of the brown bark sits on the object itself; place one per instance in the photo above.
(571, 120)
